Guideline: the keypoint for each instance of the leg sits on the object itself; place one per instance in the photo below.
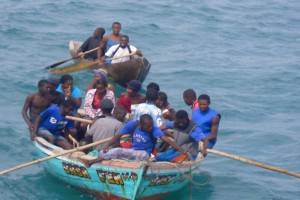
(63, 143)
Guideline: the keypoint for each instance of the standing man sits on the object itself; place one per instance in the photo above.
(36, 103)
(110, 40)
(121, 49)
(207, 118)
(186, 134)
(92, 43)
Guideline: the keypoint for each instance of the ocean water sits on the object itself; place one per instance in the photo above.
(244, 54)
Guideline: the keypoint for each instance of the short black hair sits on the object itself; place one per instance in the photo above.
(182, 114)
(125, 36)
(145, 117)
(117, 23)
(42, 82)
(162, 96)
(151, 95)
(101, 81)
(204, 97)
(69, 104)
(65, 78)
(189, 93)
(154, 86)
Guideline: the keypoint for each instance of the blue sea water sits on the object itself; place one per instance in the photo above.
(244, 54)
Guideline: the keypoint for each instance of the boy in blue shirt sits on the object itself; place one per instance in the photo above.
(51, 124)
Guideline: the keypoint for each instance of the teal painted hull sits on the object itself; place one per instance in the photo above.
(117, 179)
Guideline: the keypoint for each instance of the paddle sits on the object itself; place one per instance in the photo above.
(56, 155)
(252, 162)
(66, 60)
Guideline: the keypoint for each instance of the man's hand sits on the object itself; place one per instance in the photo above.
(139, 53)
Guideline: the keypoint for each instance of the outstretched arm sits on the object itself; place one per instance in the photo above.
(173, 144)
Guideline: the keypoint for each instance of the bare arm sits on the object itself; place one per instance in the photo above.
(35, 127)
(26, 106)
(114, 140)
(214, 128)
(101, 46)
(205, 146)
(139, 53)
(173, 144)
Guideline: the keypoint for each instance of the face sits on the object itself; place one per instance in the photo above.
(187, 101)
(101, 89)
(45, 89)
(66, 110)
(130, 91)
(182, 123)
(147, 126)
(203, 105)
(116, 29)
(159, 103)
(124, 42)
(97, 76)
(68, 84)
(52, 87)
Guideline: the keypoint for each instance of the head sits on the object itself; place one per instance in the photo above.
(43, 86)
(67, 107)
(182, 119)
(133, 87)
(106, 106)
(120, 113)
(100, 73)
(154, 86)
(161, 100)
(124, 41)
(99, 32)
(189, 97)
(146, 123)
(53, 83)
(203, 102)
(66, 81)
(101, 86)
(116, 28)
(151, 95)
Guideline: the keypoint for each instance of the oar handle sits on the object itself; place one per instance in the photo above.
(79, 119)
(252, 162)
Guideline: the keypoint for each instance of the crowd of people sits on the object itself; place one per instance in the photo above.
(150, 122)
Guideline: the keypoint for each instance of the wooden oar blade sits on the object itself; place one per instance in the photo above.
(56, 64)
(75, 67)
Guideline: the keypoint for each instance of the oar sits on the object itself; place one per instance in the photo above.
(66, 60)
(252, 162)
(56, 155)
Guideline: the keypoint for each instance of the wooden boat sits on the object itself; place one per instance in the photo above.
(117, 179)
(120, 73)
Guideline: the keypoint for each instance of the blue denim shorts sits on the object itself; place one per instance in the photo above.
(45, 133)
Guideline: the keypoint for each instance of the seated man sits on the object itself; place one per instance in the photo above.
(36, 103)
(186, 134)
(144, 136)
(120, 50)
(52, 124)
(106, 125)
(92, 43)
(57, 98)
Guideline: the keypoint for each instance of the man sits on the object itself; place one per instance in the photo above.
(36, 103)
(110, 40)
(207, 118)
(51, 124)
(144, 135)
(186, 134)
(92, 43)
(106, 125)
(131, 97)
(120, 50)
(190, 98)
(149, 108)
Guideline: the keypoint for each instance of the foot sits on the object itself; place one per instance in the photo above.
(85, 162)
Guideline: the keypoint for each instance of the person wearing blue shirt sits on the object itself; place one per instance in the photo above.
(207, 118)
(70, 91)
(144, 136)
(51, 124)
(186, 134)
